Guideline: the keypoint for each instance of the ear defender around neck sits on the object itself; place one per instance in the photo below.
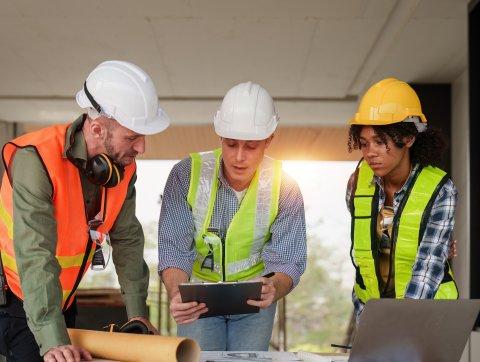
(103, 171)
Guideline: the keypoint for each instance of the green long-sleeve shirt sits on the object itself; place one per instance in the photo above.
(35, 239)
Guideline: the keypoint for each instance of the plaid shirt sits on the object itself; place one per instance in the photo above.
(285, 252)
(432, 252)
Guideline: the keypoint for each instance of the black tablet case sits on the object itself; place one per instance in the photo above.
(222, 298)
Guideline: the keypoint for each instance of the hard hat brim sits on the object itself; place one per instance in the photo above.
(82, 99)
(382, 122)
(242, 136)
(156, 125)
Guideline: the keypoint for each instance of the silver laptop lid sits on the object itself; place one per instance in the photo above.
(414, 330)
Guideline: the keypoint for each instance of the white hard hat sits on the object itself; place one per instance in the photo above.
(247, 113)
(123, 91)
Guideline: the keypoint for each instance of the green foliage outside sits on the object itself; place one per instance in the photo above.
(319, 309)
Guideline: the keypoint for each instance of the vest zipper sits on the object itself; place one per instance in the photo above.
(390, 257)
(223, 259)
(85, 257)
(373, 236)
(80, 272)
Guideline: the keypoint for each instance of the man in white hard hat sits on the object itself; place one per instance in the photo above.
(232, 214)
(67, 202)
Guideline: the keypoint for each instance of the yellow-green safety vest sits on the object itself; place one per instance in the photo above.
(408, 228)
(239, 256)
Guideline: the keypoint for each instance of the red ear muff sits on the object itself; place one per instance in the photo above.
(103, 171)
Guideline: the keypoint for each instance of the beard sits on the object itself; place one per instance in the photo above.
(116, 156)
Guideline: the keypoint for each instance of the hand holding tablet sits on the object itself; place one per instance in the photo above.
(223, 298)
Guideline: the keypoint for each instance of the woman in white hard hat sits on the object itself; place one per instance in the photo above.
(253, 226)
(402, 205)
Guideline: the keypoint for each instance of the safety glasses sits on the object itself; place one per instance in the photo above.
(103, 247)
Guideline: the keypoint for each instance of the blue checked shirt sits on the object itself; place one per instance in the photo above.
(285, 252)
(432, 253)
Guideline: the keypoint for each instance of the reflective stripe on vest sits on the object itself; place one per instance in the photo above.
(69, 210)
(240, 256)
(408, 228)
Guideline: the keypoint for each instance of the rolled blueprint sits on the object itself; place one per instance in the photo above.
(129, 347)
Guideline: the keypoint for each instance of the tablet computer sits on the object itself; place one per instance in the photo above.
(223, 298)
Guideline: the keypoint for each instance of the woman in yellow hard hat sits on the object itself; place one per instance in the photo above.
(402, 205)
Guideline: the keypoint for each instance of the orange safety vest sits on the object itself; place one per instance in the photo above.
(74, 249)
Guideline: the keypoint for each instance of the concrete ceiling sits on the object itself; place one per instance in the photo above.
(314, 56)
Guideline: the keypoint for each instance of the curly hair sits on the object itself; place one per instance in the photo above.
(427, 150)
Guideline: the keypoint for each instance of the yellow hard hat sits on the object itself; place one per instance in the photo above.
(388, 101)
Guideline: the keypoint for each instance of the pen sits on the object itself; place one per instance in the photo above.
(340, 346)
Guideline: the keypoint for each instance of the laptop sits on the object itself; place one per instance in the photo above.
(392, 330)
